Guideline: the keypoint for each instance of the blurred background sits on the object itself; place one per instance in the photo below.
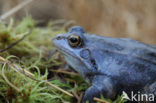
(115, 18)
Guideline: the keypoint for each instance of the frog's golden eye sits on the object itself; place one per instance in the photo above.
(74, 40)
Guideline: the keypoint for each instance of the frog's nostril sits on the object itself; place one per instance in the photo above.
(59, 38)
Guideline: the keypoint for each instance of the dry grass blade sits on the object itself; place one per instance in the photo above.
(30, 75)
(58, 88)
(15, 9)
(68, 79)
(65, 72)
(2, 60)
(7, 81)
(100, 100)
(79, 98)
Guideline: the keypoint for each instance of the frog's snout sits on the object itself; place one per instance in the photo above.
(59, 40)
(58, 37)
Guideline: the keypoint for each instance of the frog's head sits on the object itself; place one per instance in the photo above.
(74, 46)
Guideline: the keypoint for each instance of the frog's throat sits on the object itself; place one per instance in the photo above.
(65, 52)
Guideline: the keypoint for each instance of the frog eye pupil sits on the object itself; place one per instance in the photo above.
(74, 40)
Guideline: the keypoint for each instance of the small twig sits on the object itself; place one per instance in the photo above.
(75, 95)
(79, 98)
(99, 100)
(65, 72)
(23, 71)
(15, 9)
(15, 43)
(5, 78)
(2, 60)
(58, 88)
(71, 80)
(31, 76)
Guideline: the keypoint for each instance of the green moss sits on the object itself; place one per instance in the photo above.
(31, 54)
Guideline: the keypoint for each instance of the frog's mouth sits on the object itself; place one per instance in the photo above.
(66, 52)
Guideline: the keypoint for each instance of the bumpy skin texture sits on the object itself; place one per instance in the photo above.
(111, 65)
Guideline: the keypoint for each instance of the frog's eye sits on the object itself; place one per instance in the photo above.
(74, 40)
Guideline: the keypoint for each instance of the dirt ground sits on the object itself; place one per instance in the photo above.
(116, 18)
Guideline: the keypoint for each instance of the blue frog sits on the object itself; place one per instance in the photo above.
(110, 65)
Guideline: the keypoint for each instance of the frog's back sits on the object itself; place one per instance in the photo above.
(140, 50)
(126, 46)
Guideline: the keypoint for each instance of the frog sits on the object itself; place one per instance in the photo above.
(110, 65)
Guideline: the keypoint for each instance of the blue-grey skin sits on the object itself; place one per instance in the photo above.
(111, 65)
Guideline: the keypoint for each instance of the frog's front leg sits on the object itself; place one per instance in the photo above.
(101, 86)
